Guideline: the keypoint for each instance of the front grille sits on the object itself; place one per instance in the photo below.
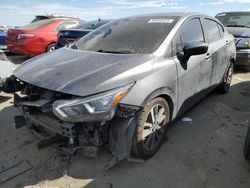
(53, 124)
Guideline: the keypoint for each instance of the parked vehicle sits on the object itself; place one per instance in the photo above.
(247, 145)
(51, 16)
(3, 34)
(122, 84)
(238, 24)
(37, 37)
(68, 36)
(6, 68)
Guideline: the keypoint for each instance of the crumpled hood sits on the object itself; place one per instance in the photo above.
(239, 32)
(83, 73)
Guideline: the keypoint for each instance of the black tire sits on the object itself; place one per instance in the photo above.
(146, 146)
(50, 47)
(227, 79)
(247, 145)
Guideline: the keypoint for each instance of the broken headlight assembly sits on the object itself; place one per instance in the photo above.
(95, 108)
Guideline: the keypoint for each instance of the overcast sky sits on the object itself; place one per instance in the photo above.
(21, 12)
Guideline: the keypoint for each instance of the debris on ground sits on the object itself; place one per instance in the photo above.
(187, 120)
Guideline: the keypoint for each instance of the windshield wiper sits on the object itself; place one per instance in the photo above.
(234, 25)
(115, 52)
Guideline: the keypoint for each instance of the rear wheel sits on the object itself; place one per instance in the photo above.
(227, 80)
(51, 47)
(151, 128)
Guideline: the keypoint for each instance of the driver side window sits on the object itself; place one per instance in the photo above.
(192, 31)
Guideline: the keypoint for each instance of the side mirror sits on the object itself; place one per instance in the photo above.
(195, 48)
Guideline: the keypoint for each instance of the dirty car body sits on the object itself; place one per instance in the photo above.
(143, 70)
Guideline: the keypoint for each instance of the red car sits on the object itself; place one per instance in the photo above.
(37, 37)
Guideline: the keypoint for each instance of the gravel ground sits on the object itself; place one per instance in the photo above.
(205, 153)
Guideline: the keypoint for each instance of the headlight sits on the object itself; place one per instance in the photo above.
(95, 108)
(243, 43)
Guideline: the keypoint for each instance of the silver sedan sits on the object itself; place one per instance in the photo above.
(124, 83)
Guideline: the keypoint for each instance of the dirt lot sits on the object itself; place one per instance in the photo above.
(206, 153)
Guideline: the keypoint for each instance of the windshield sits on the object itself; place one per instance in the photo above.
(136, 35)
(91, 25)
(240, 19)
(38, 24)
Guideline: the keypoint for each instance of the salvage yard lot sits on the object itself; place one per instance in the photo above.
(207, 152)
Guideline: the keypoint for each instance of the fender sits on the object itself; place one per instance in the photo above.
(123, 125)
(122, 129)
(168, 92)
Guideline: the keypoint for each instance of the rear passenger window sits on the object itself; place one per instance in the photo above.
(212, 30)
(192, 32)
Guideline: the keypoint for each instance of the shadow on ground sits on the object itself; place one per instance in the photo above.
(17, 59)
(4, 98)
(208, 152)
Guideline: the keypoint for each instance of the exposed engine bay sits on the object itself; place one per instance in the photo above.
(36, 106)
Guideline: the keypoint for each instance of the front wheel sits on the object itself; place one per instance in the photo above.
(151, 128)
(227, 80)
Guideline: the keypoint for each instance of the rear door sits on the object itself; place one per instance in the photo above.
(217, 49)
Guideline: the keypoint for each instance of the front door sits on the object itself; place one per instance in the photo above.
(193, 75)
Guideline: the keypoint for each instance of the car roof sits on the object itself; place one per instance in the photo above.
(62, 18)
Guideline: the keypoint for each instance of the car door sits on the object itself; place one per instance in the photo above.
(217, 49)
(192, 76)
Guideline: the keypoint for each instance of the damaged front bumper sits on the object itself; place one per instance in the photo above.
(86, 137)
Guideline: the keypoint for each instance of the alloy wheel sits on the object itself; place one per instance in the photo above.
(229, 75)
(153, 127)
(52, 48)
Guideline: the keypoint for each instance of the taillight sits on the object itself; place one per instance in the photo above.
(26, 36)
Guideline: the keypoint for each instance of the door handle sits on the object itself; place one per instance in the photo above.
(208, 56)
